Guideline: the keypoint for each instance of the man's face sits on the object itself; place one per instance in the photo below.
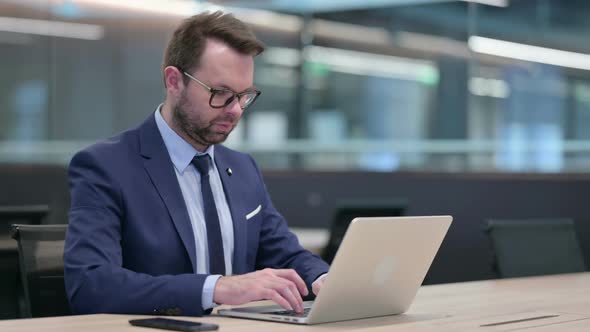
(223, 68)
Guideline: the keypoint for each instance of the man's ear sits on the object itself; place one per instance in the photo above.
(173, 80)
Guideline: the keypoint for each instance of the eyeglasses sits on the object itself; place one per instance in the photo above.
(220, 98)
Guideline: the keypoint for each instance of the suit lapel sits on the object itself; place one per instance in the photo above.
(161, 171)
(232, 191)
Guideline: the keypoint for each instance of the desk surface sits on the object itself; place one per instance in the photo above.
(508, 305)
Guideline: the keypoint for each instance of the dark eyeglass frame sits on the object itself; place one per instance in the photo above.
(229, 100)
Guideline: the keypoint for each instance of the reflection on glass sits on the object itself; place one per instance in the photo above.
(443, 86)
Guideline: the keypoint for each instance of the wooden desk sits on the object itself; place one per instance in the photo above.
(449, 307)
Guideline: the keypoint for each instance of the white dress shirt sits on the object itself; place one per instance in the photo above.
(181, 153)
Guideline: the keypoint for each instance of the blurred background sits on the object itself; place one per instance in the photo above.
(475, 108)
(379, 85)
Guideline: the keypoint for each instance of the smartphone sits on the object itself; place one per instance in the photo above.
(173, 324)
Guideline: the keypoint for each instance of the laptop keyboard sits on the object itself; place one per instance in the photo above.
(291, 313)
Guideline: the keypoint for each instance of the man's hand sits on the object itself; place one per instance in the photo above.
(284, 287)
(317, 285)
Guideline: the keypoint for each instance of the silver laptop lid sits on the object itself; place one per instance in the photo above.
(379, 267)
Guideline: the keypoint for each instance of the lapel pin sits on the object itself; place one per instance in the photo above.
(229, 171)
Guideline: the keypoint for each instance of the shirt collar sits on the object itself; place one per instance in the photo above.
(180, 151)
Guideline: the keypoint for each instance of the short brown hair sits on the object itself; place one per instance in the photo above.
(188, 42)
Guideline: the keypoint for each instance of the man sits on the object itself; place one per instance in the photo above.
(165, 220)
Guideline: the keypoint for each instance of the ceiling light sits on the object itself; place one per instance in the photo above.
(51, 28)
(497, 3)
(361, 63)
(170, 7)
(529, 53)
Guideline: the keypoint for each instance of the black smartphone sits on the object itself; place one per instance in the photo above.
(173, 324)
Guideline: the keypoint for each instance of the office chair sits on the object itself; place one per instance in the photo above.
(535, 247)
(11, 296)
(40, 251)
(33, 214)
(346, 211)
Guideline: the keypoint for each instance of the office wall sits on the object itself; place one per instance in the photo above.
(309, 199)
(26, 184)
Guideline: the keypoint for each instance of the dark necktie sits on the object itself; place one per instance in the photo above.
(215, 243)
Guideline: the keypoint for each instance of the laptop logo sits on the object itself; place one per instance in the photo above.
(384, 270)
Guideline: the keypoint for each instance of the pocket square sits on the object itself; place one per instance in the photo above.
(253, 213)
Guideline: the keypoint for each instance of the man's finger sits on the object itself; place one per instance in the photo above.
(288, 291)
(293, 298)
(276, 297)
(295, 278)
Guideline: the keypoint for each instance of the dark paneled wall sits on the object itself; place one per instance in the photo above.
(25, 184)
(309, 199)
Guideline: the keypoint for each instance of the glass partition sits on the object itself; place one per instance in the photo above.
(457, 86)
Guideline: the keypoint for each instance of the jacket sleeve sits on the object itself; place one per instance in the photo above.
(95, 279)
(279, 248)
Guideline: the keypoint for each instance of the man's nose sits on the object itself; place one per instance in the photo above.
(234, 108)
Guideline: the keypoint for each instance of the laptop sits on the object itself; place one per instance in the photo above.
(377, 271)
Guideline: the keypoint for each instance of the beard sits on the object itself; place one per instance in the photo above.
(193, 124)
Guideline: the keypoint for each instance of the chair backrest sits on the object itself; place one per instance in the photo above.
(32, 214)
(346, 211)
(41, 249)
(535, 247)
(11, 295)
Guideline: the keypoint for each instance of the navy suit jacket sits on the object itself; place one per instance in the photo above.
(129, 245)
